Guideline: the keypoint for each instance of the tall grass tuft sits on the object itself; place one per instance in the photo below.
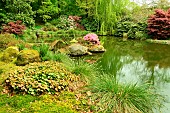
(79, 67)
(113, 97)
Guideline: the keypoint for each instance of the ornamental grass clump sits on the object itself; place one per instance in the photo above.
(111, 96)
(39, 78)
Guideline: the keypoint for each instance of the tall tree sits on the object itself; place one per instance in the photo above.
(108, 12)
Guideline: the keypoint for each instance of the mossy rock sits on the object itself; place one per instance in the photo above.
(77, 49)
(57, 44)
(10, 54)
(96, 48)
(27, 56)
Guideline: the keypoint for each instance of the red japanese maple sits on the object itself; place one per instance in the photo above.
(14, 27)
(159, 24)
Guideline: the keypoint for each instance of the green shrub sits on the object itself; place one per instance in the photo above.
(132, 28)
(49, 27)
(112, 96)
(38, 78)
(7, 40)
(19, 10)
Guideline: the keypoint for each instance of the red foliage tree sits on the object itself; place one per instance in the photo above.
(14, 27)
(159, 24)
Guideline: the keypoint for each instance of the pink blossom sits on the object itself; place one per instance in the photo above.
(92, 38)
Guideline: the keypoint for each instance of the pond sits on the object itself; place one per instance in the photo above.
(137, 62)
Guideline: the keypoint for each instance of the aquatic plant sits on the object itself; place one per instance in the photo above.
(112, 96)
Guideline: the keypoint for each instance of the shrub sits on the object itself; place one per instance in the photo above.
(49, 27)
(90, 24)
(19, 10)
(67, 23)
(7, 40)
(14, 27)
(132, 28)
(159, 24)
(93, 38)
(111, 96)
(38, 78)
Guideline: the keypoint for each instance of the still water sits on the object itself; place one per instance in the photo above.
(138, 62)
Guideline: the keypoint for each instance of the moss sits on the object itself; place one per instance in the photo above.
(27, 56)
(10, 54)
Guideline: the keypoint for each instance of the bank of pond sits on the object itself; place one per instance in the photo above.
(120, 76)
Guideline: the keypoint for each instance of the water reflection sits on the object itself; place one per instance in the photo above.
(139, 62)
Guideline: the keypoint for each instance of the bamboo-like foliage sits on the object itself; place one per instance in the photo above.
(108, 12)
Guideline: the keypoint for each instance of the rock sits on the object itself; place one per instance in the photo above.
(96, 48)
(77, 49)
(10, 54)
(57, 44)
(27, 56)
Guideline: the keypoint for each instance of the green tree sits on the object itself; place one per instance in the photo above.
(108, 12)
(48, 10)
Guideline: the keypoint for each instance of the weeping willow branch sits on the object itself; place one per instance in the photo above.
(108, 12)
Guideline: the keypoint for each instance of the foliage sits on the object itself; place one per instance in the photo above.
(67, 23)
(14, 27)
(93, 38)
(7, 40)
(39, 78)
(19, 10)
(108, 12)
(112, 96)
(159, 24)
(134, 30)
(45, 53)
(48, 10)
(49, 27)
(90, 24)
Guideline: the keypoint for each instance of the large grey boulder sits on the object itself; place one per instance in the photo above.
(77, 49)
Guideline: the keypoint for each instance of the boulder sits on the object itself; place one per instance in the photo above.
(27, 56)
(77, 49)
(10, 54)
(56, 45)
(96, 48)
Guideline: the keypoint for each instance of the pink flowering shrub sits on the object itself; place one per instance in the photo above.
(93, 38)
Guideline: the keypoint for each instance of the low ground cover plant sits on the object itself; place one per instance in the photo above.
(39, 78)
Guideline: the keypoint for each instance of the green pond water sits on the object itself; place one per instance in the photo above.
(138, 62)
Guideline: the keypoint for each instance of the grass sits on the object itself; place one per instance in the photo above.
(108, 94)
(79, 67)
(39, 104)
(113, 97)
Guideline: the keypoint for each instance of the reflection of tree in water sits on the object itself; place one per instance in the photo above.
(148, 62)
(157, 54)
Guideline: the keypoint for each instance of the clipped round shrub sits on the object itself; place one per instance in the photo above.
(39, 78)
